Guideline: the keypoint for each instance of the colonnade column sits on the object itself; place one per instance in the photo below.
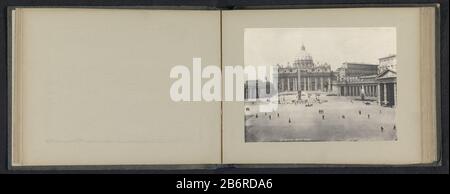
(316, 83)
(288, 84)
(309, 83)
(304, 83)
(385, 93)
(330, 87)
(395, 94)
(321, 83)
(295, 84)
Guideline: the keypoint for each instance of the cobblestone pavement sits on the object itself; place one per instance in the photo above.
(340, 121)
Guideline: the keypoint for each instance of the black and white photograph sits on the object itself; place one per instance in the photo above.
(327, 84)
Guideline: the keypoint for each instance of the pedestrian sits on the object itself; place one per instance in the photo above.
(368, 116)
(289, 119)
(343, 116)
(382, 129)
(270, 117)
(323, 117)
(359, 112)
(395, 128)
(256, 115)
(278, 114)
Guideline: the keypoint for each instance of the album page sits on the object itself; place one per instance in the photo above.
(329, 86)
(96, 87)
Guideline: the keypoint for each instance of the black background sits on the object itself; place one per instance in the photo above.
(163, 180)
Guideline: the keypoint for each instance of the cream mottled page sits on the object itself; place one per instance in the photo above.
(94, 87)
(307, 130)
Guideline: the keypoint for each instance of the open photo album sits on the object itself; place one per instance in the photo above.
(335, 86)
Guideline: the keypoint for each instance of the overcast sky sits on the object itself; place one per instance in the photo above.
(269, 46)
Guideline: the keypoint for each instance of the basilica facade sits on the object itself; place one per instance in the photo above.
(303, 74)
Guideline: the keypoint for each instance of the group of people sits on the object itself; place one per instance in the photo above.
(270, 116)
(368, 116)
(321, 112)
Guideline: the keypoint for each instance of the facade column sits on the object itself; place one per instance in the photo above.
(330, 87)
(316, 83)
(282, 85)
(295, 84)
(309, 83)
(395, 95)
(385, 94)
(289, 84)
(374, 91)
(257, 89)
(321, 84)
(305, 83)
(377, 90)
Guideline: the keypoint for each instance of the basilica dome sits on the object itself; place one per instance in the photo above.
(303, 59)
(303, 55)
